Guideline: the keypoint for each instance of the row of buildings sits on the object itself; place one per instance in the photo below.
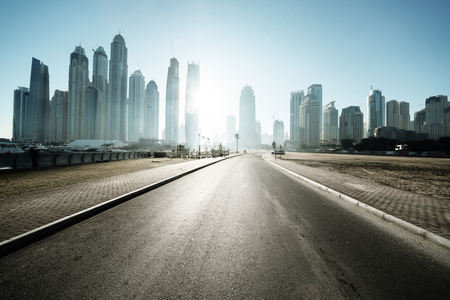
(313, 124)
(111, 106)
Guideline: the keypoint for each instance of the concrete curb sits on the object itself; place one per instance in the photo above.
(443, 242)
(20, 241)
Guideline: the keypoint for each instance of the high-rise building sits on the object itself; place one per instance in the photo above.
(151, 129)
(330, 123)
(117, 91)
(21, 95)
(392, 114)
(278, 133)
(37, 109)
(78, 81)
(296, 101)
(258, 132)
(136, 106)
(404, 117)
(58, 117)
(100, 82)
(181, 134)
(351, 124)
(419, 121)
(192, 105)
(247, 118)
(231, 131)
(172, 101)
(435, 116)
(310, 117)
(92, 111)
(315, 93)
(375, 111)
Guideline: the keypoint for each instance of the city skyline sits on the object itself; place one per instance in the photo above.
(238, 43)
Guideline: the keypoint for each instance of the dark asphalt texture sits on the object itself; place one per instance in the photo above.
(239, 229)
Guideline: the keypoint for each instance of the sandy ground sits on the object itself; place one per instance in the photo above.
(20, 182)
(423, 175)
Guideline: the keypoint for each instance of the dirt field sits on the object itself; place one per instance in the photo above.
(20, 182)
(422, 175)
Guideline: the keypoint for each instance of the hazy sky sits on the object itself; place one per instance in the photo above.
(400, 47)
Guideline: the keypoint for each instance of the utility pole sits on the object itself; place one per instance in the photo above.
(237, 142)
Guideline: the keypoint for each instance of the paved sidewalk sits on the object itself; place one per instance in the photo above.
(425, 212)
(22, 214)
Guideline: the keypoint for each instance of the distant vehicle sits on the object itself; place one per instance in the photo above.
(245, 151)
(8, 147)
(279, 152)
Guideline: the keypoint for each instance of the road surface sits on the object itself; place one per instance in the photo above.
(239, 229)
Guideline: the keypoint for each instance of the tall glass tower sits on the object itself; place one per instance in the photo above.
(296, 101)
(172, 101)
(117, 91)
(247, 117)
(37, 109)
(136, 106)
(100, 82)
(192, 105)
(151, 127)
(375, 111)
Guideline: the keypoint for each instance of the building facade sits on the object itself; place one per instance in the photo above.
(136, 106)
(100, 82)
(172, 102)
(247, 117)
(117, 91)
(375, 111)
(330, 123)
(434, 116)
(258, 133)
(151, 129)
(315, 93)
(278, 133)
(351, 124)
(21, 101)
(310, 118)
(57, 132)
(37, 108)
(296, 101)
(392, 114)
(419, 121)
(404, 117)
(78, 81)
(192, 105)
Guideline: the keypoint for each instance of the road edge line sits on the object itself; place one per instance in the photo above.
(425, 234)
(15, 243)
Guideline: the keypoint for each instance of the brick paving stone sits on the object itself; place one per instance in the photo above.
(429, 213)
(21, 214)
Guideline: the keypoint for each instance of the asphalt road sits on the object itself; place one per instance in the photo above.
(239, 229)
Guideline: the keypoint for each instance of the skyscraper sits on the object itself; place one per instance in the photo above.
(419, 121)
(351, 124)
(247, 118)
(58, 117)
(392, 114)
(435, 116)
(315, 93)
(172, 101)
(258, 133)
(100, 82)
(151, 127)
(78, 81)
(330, 123)
(21, 95)
(404, 117)
(278, 133)
(192, 105)
(296, 101)
(231, 131)
(37, 109)
(136, 106)
(117, 90)
(375, 111)
(311, 117)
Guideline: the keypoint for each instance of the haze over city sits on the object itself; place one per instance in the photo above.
(400, 48)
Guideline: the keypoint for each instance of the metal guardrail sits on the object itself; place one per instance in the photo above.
(46, 159)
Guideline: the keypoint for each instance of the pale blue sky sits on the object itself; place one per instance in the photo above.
(400, 47)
